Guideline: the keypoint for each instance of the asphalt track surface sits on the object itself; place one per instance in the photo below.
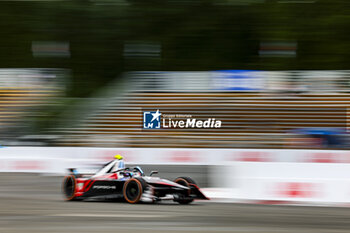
(33, 203)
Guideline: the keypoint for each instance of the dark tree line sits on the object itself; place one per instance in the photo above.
(193, 35)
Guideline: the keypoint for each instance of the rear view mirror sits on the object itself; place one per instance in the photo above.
(153, 172)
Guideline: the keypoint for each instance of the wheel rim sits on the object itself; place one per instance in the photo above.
(133, 191)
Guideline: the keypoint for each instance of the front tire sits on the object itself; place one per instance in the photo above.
(185, 181)
(133, 190)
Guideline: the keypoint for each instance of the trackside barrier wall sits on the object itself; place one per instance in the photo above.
(327, 183)
(306, 176)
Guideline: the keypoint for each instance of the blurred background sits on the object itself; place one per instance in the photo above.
(78, 73)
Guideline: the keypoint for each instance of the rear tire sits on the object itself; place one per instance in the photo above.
(69, 188)
(185, 181)
(133, 190)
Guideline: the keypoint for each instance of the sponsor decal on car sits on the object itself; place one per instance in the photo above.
(104, 187)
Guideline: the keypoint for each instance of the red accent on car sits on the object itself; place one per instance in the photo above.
(88, 188)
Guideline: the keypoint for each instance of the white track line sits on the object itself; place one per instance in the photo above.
(110, 215)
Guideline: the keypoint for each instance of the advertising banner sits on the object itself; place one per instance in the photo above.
(238, 80)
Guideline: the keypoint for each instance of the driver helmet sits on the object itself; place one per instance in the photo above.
(120, 163)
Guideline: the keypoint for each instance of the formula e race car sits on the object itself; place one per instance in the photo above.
(115, 181)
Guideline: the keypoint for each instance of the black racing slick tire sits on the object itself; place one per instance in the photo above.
(185, 181)
(69, 188)
(133, 190)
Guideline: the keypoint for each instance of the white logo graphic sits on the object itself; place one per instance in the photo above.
(151, 120)
(157, 120)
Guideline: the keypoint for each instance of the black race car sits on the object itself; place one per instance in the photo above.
(115, 181)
